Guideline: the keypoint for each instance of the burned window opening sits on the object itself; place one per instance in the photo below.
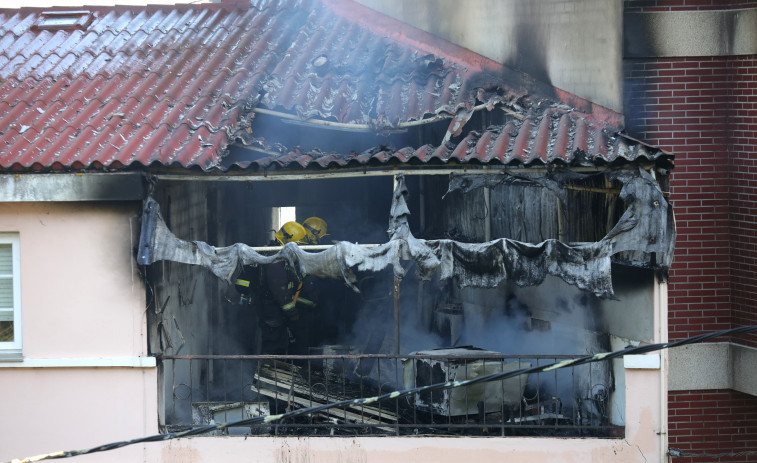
(450, 295)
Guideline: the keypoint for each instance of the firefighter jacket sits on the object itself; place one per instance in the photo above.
(277, 291)
(290, 292)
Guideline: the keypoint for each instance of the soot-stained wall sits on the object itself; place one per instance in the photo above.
(572, 44)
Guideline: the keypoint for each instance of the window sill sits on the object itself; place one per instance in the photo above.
(11, 355)
(98, 362)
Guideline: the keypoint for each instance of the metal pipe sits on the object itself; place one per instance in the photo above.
(488, 217)
(560, 222)
(662, 322)
(397, 313)
(255, 176)
(307, 247)
(369, 128)
(420, 307)
(494, 356)
(662, 296)
(395, 183)
(421, 202)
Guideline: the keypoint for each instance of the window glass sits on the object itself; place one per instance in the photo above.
(6, 259)
(6, 293)
(6, 331)
(10, 308)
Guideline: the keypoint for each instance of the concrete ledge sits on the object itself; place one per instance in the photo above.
(720, 365)
(98, 362)
(743, 371)
(690, 33)
(699, 366)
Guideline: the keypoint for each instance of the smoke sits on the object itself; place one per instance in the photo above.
(558, 324)
(370, 228)
(376, 317)
(550, 320)
(515, 321)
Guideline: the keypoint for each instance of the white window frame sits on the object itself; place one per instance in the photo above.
(12, 350)
(280, 216)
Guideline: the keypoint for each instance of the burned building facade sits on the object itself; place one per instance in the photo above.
(434, 270)
(479, 221)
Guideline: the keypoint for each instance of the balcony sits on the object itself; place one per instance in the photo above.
(199, 390)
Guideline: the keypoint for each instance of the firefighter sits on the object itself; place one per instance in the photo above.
(287, 299)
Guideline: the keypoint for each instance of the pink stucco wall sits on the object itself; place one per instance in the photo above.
(63, 409)
(82, 299)
(82, 302)
(51, 409)
(642, 443)
(81, 295)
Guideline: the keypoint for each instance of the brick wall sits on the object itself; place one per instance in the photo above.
(714, 422)
(704, 110)
(742, 151)
(682, 105)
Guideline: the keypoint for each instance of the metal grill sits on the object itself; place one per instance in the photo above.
(206, 389)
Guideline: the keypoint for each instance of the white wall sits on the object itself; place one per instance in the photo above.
(573, 44)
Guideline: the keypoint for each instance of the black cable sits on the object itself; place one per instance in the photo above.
(674, 452)
(393, 395)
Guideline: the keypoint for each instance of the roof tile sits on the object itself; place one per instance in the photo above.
(170, 84)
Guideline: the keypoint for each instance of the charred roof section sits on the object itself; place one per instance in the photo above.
(554, 135)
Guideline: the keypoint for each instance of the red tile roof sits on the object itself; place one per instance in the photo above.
(176, 84)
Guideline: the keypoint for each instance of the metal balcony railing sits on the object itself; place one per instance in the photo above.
(197, 390)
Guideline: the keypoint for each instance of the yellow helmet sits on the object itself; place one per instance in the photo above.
(316, 229)
(291, 232)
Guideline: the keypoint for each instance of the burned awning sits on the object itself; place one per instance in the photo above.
(646, 227)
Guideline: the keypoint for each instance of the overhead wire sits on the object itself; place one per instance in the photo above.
(394, 395)
(674, 452)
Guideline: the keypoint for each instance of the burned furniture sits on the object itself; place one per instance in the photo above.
(291, 387)
(458, 364)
